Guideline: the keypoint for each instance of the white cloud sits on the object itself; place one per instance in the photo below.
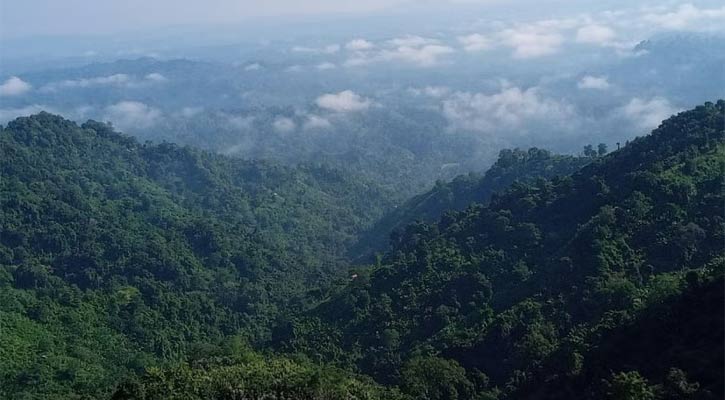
(416, 50)
(596, 34)
(325, 66)
(316, 122)
(8, 114)
(238, 122)
(359, 44)
(475, 42)
(647, 114)
(189, 112)
(345, 101)
(155, 77)
(111, 80)
(511, 110)
(293, 68)
(424, 56)
(253, 67)
(284, 125)
(131, 115)
(687, 16)
(531, 41)
(411, 41)
(14, 86)
(329, 49)
(432, 91)
(118, 80)
(594, 82)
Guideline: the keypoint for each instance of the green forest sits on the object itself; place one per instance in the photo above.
(133, 271)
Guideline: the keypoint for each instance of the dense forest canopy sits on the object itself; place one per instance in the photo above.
(154, 249)
(521, 297)
(140, 271)
(362, 200)
(464, 190)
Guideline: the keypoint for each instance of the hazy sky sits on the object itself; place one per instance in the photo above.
(40, 17)
(22, 18)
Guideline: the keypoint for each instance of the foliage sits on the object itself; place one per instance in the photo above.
(512, 166)
(527, 288)
(152, 249)
(140, 271)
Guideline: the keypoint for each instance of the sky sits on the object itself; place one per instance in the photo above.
(73, 17)
(28, 18)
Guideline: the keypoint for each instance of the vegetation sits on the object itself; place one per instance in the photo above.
(546, 291)
(153, 250)
(511, 166)
(251, 376)
(132, 271)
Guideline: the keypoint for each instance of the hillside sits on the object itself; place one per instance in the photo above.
(539, 291)
(151, 250)
(140, 271)
(458, 194)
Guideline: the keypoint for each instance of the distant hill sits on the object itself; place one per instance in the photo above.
(458, 194)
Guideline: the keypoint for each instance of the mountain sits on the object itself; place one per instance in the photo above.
(603, 284)
(456, 195)
(149, 250)
(140, 271)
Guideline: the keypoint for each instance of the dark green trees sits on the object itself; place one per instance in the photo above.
(528, 289)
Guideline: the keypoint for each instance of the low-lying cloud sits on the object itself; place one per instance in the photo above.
(284, 125)
(688, 16)
(343, 102)
(329, 49)
(325, 66)
(316, 122)
(14, 86)
(358, 45)
(531, 42)
(647, 114)
(595, 34)
(475, 42)
(130, 115)
(410, 49)
(594, 82)
(115, 80)
(8, 114)
(512, 110)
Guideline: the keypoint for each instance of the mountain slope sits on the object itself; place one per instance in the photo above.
(149, 250)
(544, 273)
(464, 190)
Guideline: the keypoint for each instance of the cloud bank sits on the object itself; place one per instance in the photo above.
(511, 110)
(343, 102)
(14, 86)
(130, 115)
(647, 114)
(594, 82)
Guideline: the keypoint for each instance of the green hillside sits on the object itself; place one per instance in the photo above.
(135, 271)
(149, 250)
(530, 293)
(511, 166)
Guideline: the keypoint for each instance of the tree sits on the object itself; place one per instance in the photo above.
(433, 378)
(628, 386)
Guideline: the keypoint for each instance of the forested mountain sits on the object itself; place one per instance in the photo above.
(140, 271)
(604, 284)
(150, 250)
(512, 165)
